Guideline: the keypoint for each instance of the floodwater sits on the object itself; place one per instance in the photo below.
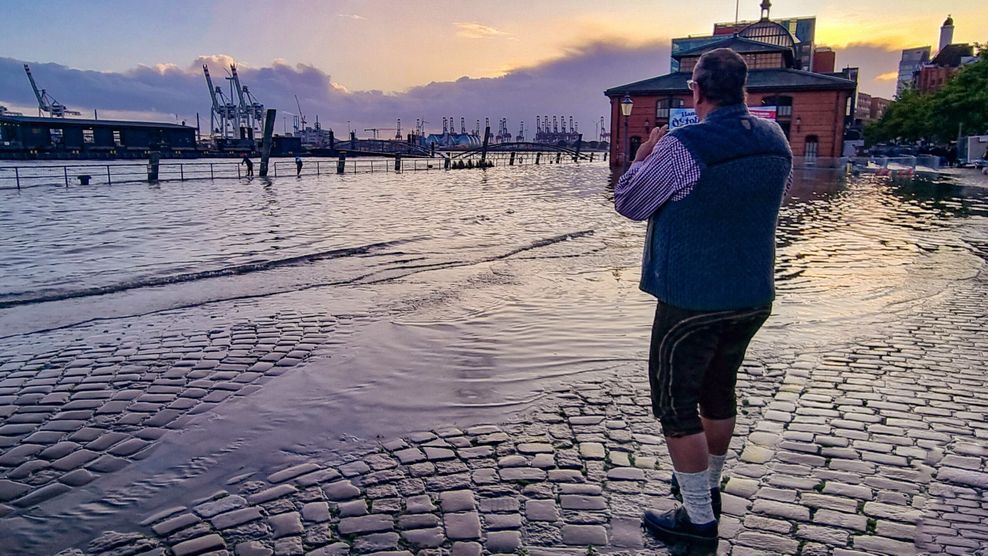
(460, 296)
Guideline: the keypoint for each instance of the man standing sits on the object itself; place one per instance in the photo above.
(250, 165)
(711, 193)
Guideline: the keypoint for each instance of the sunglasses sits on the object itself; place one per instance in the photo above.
(691, 85)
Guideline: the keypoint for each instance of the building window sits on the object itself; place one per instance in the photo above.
(88, 136)
(116, 138)
(782, 103)
(634, 143)
(662, 109)
(812, 144)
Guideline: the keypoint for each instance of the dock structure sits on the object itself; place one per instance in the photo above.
(24, 136)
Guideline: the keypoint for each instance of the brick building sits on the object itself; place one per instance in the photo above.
(813, 109)
(943, 66)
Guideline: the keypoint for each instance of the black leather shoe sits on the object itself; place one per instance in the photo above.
(714, 496)
(676, 525)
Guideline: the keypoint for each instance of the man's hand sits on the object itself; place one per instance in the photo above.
(646, 148)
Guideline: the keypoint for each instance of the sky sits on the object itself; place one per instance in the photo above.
(370, 62)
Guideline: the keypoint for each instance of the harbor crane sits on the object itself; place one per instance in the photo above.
(251, 112)
(46, 103)
(223, 111)
(374, 130)
(300, 119)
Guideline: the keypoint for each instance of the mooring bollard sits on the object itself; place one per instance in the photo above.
(341, 164)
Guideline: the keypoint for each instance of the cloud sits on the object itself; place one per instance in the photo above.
(352, 16)
(570, 85)
(877, 61)
(469, 30)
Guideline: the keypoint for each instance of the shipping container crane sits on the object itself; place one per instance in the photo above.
(223, 111)
(251, 112)
(301, 117)
(374, 130)
(45, 101)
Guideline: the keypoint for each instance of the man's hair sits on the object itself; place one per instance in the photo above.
(722, 74)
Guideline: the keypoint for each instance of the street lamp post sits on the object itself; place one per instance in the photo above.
(626, 104)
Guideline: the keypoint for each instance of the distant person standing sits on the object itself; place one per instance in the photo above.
(711, 192)
(298, 166)
(250, 165)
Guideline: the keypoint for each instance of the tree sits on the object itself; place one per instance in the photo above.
(961, 104)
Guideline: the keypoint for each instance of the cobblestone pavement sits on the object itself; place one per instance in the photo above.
(876, 447)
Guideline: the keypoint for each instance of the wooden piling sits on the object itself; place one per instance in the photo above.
(269, 118)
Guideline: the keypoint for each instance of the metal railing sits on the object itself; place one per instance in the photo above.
(20, 177)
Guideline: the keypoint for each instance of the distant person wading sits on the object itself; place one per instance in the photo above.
(711, 194)
(250, 165)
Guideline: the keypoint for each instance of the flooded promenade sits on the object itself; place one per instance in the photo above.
(453, 363)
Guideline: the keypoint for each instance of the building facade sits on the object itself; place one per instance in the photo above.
(911, 62)
(943, 66)
(29, 135)
(813, 109)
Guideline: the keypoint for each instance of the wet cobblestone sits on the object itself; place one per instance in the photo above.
(876, 447)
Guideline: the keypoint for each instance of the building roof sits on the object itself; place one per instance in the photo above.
(75, 122)
(738, 44)
(758, 80)
(950, 56)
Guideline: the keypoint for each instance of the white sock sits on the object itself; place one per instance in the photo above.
(695, 488)
(715, 467)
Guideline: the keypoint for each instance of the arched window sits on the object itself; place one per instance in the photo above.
(812, 145)
(662, 109)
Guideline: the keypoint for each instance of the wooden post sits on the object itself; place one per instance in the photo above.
(579, 141)
(341, 164)
(512, 161)
(538, 156)
(108, 180)
(447, 161)
(269, 118)
(483, 151)
(65, 170)
(397, 163)
(17, 177)
(559, 156)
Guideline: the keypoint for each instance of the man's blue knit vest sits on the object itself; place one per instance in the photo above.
(715, 249)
